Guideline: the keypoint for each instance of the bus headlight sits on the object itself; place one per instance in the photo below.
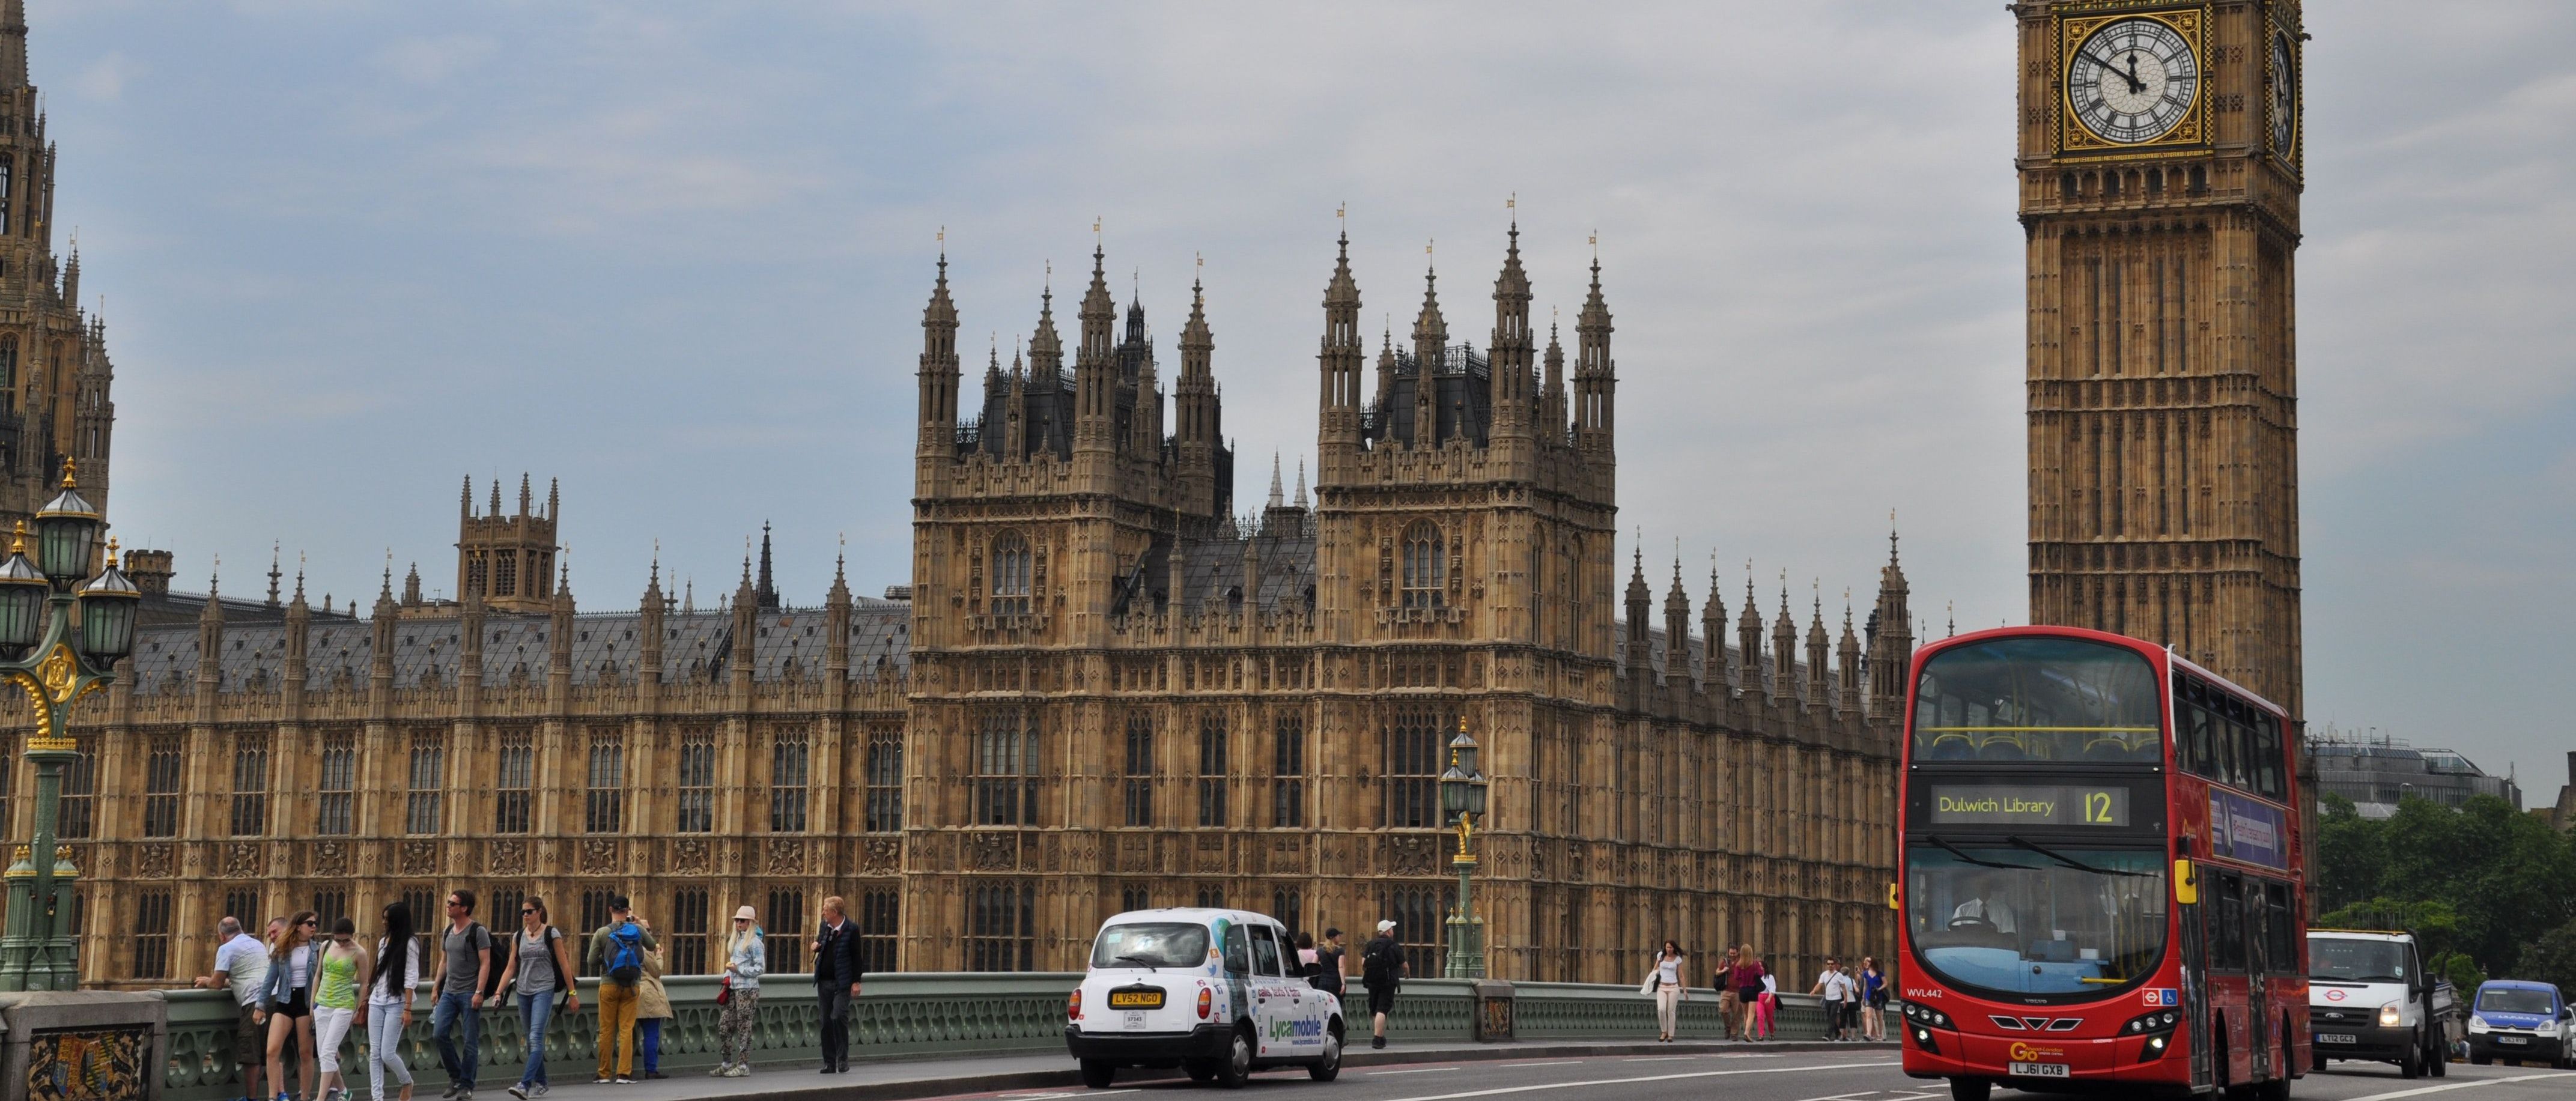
(2477, 1023)
(2389, 1013)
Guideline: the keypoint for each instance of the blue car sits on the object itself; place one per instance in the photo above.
(2520, 1022)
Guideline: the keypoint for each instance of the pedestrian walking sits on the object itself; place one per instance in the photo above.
(1382, 967)
(1664, 982)
(1833, 984)
(1851, 1002)
(464, 962)
(241, 967)
(1749, 978)
(836, 981)
(398, 970)
(286, 1003)
(1330, 975)
(652, 1007)
(1873, 1000)
(746, 959)
(619, 947)
(539, 968)
(1768, 1009)
(1730, 1005)
(335, 1004)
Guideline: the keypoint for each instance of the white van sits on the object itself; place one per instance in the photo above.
(1214, 992)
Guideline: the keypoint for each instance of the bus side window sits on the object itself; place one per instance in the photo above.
(2231, 747)
(2267, 756)
(2227, 945)
(2283, 948)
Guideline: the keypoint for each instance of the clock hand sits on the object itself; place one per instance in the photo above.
(2135, 85)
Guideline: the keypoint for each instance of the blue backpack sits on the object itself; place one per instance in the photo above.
(626, 954)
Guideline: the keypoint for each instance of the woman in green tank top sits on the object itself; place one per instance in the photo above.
(336, 1005)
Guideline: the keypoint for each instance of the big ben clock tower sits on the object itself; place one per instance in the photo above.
(2160, 177)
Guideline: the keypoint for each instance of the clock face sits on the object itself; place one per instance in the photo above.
(2132, 81)
(2284, 95)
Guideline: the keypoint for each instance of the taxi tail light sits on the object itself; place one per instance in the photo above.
(1073, 1005)
(1207, 1003)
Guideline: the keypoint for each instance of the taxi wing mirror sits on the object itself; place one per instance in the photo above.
(2186, 884)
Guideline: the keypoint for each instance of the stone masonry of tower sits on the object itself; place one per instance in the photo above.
(55, 375)
(2162, 366)
(1103, 688)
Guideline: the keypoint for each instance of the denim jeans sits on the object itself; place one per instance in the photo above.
(651, 1045)
(534, 1009)
(456, 1013)
(834, 1007)
(384, 1049)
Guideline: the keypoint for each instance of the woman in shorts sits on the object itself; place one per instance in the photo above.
(288, 1002)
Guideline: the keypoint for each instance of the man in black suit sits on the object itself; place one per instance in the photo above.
(836, 981)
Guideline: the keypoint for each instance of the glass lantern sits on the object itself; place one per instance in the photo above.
(67, 533)
(107, 607)
(23, 589)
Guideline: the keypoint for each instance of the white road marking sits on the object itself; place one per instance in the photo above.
(1658, 1058)
(2460, 1086)
(1558, 1063)
(1416, 1070)
(1662, 1078)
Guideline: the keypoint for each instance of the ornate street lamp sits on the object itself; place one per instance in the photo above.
(1462, 795)
(59, 641)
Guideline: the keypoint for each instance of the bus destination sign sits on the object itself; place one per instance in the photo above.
(2030, 805)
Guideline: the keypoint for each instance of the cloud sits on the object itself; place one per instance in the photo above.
(433, 60)
(104, 79)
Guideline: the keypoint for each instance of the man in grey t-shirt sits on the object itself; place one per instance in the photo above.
(465, 961)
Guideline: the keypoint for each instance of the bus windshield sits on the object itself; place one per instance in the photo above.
(2035, 919)
(2038, 699)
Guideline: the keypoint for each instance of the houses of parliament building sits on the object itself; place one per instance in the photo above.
(1105, 685)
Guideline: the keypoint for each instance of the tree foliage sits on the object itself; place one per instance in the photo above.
(2500, 878)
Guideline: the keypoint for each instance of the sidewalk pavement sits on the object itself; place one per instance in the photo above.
(895, 1080)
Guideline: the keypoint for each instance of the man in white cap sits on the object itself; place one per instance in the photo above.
(1382, 967)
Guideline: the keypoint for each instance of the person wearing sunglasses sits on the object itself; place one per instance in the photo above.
(287, 1003)
(539, 966)
(746, 958)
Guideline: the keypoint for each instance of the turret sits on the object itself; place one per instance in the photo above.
(1639, 603)
(1819, 654)
(1595, 380)
(1891, 639)
(1847, 669)
(938, 372)
(765, 592)
(1552, 426)
(1338, 420)
(1196, 428)
(1094, 413)
(1712, 627)
(1784, 650)
(1430, 342)
(836, 623)
(648, 670)
(1512, 347)
(1676, 629)
(1748, 639)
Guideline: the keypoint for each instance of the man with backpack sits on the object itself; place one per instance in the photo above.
(465, 962)
(617, 949)
(1382, 967)
(836, 981)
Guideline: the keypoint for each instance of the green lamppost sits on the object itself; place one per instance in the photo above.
(1462, 794)
(59, 638)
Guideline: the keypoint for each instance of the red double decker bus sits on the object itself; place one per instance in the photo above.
(2101, 873)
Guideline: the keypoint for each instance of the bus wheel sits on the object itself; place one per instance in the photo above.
(1970, 1089)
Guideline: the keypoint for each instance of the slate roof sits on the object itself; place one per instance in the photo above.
(786, 642)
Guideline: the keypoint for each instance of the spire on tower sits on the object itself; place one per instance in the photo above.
(767, 592)
(1277, 497)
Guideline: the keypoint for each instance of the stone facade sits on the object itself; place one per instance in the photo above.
(55, 375)
(2162, 381)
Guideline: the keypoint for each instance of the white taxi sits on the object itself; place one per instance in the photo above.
(1215, 992)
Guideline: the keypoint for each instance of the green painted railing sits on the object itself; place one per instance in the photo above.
(929, 1014)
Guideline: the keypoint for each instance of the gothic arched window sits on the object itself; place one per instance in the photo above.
(1011, 575)
(1426, 563)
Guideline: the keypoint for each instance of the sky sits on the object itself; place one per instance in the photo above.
(674, 255)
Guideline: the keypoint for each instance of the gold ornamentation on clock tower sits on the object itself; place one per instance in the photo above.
(2160, 182)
